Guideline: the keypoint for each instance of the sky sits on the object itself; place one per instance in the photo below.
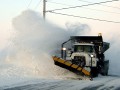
(9, 9)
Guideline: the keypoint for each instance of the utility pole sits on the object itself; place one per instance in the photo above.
(44, 8)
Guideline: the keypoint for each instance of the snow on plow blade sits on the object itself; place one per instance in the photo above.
(68, 65)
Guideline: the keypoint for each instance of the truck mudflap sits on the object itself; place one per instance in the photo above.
(104, 70)
(72, 67)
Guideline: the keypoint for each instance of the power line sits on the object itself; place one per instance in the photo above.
(100, 4)
(101, 10)
(38, 4)
(85, 7)
(82, 1)
(82, 5)
(59, 3)
(29, 3)
(84, 17)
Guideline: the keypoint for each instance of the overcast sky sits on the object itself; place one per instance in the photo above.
(109, 11)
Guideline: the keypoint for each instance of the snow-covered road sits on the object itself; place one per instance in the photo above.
(100, 83)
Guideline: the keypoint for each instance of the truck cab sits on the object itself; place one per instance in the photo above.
(84, 55)
(84, 52)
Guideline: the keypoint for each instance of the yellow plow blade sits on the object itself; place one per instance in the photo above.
(68, 65)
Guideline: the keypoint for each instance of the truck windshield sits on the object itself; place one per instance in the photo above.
(83, 48)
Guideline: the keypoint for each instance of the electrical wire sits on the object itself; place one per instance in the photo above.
(101, 10)
(38, 4)
(85, 7)
(29, 3)
(84, 17)
(81, 5)
(100, 4)
(59, 3)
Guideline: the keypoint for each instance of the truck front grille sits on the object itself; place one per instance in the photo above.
(79, 60)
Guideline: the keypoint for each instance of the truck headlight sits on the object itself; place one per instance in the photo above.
(64, 49)
(91, 55)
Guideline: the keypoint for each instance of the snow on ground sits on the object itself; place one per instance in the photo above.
(100, 83)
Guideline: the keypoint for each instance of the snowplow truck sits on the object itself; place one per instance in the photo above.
(84, 55)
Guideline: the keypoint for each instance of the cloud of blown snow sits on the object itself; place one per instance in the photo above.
(34, 42)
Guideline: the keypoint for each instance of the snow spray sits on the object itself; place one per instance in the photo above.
(34, 43)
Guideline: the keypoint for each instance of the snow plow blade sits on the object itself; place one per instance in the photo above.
(69, 66)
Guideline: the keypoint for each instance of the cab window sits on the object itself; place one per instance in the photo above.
(83, 48)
